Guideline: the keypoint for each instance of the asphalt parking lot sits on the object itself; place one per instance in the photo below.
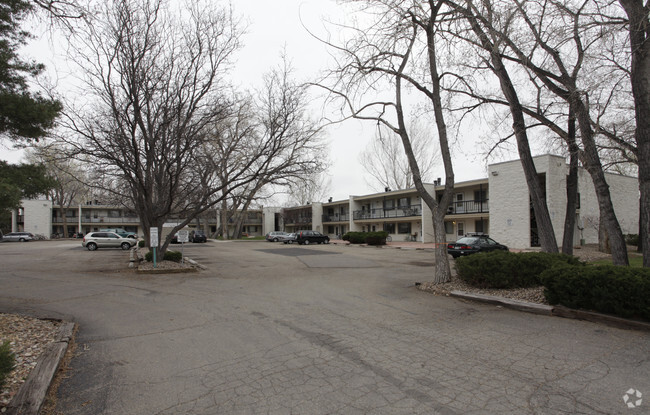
(283, 329)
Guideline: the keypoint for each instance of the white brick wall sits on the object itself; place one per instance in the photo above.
(509, 207)
(38, 216)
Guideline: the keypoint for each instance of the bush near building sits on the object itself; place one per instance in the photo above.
(7, 362)
(622, 291)
(502, 269)
(169, 256)
(632, 239)
(370, 238)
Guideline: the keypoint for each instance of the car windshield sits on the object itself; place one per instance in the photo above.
(467, 241)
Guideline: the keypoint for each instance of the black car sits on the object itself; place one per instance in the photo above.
(198, 236)
(473, 244)
(307, 237)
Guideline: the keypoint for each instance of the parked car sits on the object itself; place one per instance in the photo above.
(275, 236)
(473, 244)
(198, 235)
(94, 240)
(308, 237)
(288, 238)
(18, 237)
(121, 232)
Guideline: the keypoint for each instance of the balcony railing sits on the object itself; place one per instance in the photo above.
(300, 220)
(398, 212)
(336, 218)
(468, 206)
(97, 220)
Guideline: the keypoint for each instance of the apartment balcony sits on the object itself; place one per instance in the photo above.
(97, 220)
(298, 220)
(336, 218)
(391, 213)
(468, 207)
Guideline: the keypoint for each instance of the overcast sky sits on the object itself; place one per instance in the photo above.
(276, 25)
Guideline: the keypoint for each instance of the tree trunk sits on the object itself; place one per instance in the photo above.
(603, 239)
(571, 188)
(544, 224)
(592, 163)
(64, 216)
(639, 26)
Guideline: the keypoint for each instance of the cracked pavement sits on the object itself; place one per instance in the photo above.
(279, 329)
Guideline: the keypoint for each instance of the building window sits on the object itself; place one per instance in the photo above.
(404, 202)
(478, 226)
(460, 227)
(404, 228)
(113, 214)
(389, 204)
(449, 228)
(480, 195)
(330, 229)
(389, 227)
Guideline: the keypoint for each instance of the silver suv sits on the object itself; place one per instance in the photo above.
(275, 236)
(18, 237)
(94, 240)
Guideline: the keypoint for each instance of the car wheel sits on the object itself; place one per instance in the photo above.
(126, 245)
(91, 246)
(290, 242)
(21, 240)
(306, 242)
(275, 239)
(326, 241)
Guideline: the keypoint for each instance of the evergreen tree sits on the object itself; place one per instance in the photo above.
(23, 114)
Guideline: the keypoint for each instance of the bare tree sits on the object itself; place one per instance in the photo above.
(638, 26)
(278, 117)
(386, 163)
(311, 188)
(399, 49)
(155, 95)
(68, 175)
(562, 61)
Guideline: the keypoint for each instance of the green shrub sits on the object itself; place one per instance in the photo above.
(502, 269)
(169, 256)
(632, 239)
(370, 238)
(376, 238)
(355, 237)
(621, 291)
(141, 243)
(7, 360)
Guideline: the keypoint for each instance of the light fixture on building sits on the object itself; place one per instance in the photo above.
(495, 173)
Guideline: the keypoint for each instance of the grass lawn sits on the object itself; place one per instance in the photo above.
(636, 260)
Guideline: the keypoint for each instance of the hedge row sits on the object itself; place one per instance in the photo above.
(169, 256)
(370, 238)
(7, 362)
(502, 269)
(622, 291)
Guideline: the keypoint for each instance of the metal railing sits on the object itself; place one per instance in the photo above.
(398, 212)
(85, 219)
(336, 218)
(468, 206)
(300, 219)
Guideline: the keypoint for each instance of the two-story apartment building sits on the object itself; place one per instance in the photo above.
(498, 205)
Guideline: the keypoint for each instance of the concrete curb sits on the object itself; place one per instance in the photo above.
(196, 264)
(506, 302)
(558, 311)
(31, 396)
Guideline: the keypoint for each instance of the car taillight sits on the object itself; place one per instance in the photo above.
(450, 246)
(465, 247)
